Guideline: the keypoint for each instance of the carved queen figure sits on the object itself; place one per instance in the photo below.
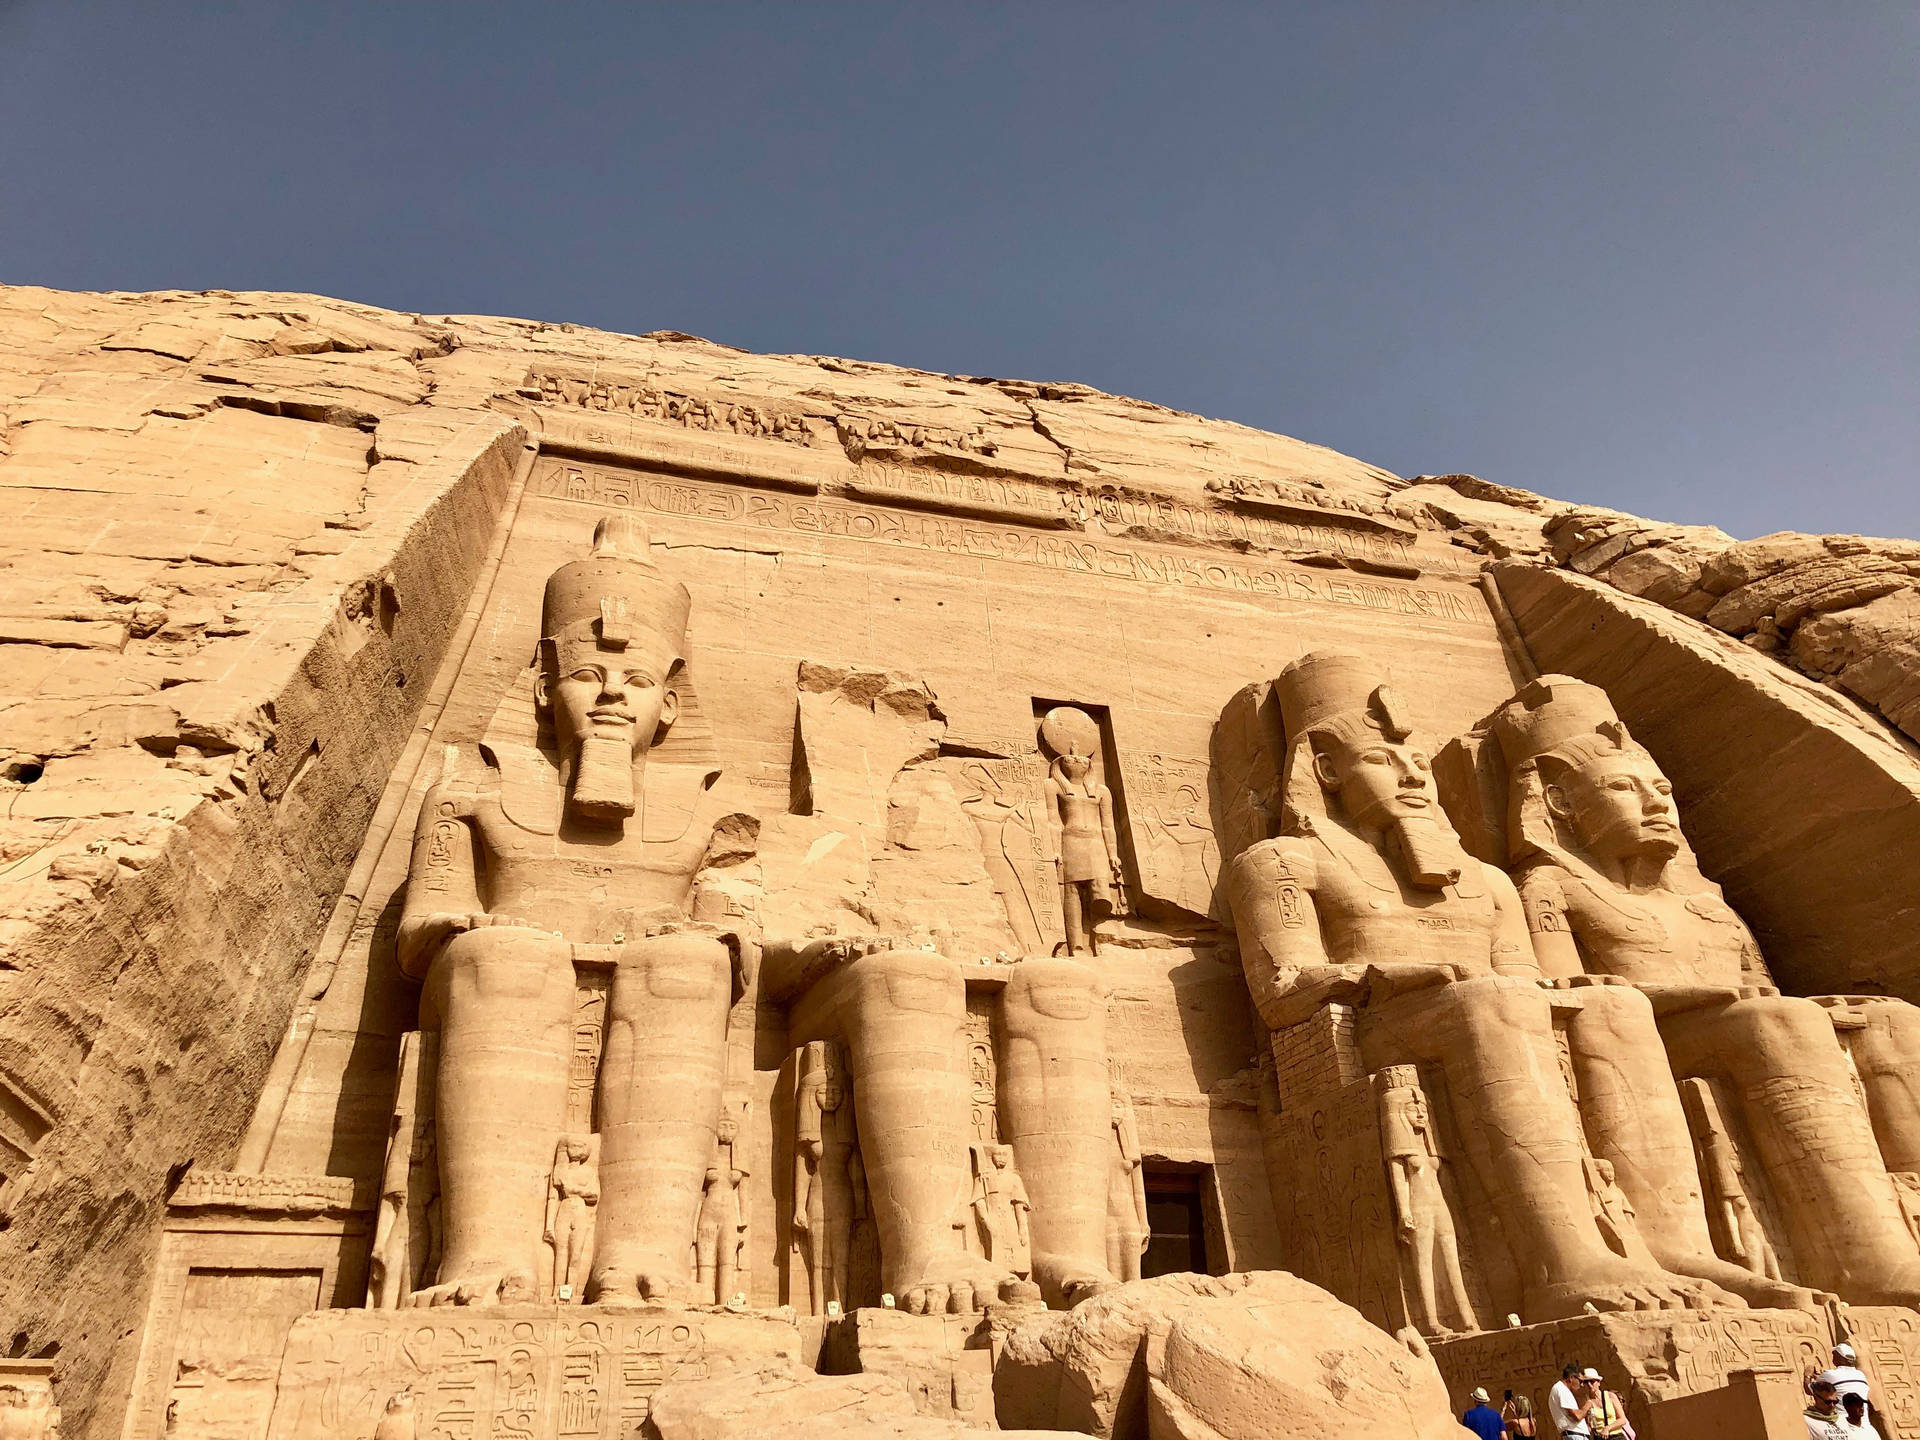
(560, 845)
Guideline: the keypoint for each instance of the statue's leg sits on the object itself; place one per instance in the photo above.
(502, 1002)
(660, 1082)
(726, 1258)
(1816, 1143)
(706, 1260)
(1633, 1116)
(1886, 1052)
(1456, 1281)
(1423, 1248)
(1073, 916)
(1056, 1108)
(1493, 1037)
(839, 1247)
(900, 1014)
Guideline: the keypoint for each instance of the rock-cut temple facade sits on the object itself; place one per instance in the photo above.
(565, 886)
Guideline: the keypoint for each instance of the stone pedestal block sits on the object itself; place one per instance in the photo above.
(520, 1372)
(1647, 1356)
(945, 1360)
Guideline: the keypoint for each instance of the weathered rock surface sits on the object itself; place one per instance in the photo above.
(1198, 1356)
(252, 546)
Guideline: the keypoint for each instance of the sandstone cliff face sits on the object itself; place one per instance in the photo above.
(244, 531)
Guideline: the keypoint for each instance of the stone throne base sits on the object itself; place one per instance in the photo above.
(519, 1372)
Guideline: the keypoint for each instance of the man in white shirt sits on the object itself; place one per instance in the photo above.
(1571, 1400)
(1823, 1411)
(1846, 1376)
(1854, 1423)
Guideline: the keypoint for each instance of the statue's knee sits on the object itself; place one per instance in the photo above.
(502, 963)
(1059, 989)
(686, 967)
(1782, 1025)
(913, 980)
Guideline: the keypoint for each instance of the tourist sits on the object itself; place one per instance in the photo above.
(1517, 1411)
(1571, 1399)
(1853, 1417)
(1846, 1375)
(1483, 1419)
(1609, 1416)
(1823, 1412)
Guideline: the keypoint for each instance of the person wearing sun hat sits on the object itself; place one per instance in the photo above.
(1482, 1418)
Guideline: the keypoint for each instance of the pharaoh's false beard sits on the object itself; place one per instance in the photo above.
(1428, 856)
(602, 787)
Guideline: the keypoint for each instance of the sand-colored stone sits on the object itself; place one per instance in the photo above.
(1081, 836)
(1199, 1356)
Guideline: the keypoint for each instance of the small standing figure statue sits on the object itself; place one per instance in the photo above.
(572, 1195)
(1000, 1208)
(720, 1242)
(1744, 1238)
(1080, 811)
(1419, 1200)
(1613, 1213)
(1127, 1231)
(828, 1185)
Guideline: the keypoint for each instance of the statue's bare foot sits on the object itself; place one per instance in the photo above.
(1627, 1288)
(1754, 1289)
(480, 1286)
(952, 1283)
(641, 1284)
(1066, 1281)
(1896, 1284)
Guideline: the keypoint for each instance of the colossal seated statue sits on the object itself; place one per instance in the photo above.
(1611, 889)
(1366, 900)
(552, 850)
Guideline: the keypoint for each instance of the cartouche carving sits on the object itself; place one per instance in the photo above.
(565, 846)
(1612, 889)
(1367, 900)
(1080, 812)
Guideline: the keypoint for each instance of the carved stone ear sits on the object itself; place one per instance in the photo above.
(543, 675)
(669, 712)
(1556, 801)
(1325, 771)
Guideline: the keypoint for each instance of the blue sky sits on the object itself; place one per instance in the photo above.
(1659, 256)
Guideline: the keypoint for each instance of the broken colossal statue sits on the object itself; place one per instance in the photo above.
(850, 882)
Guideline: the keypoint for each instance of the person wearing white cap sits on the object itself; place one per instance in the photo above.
(1846, 1375)
(1482, 1419)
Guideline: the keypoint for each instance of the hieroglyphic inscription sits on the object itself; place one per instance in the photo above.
(589, 1030)
(1887, 1339)
(517, 1373)
(1654, 1355)
(634, 396)
(983, 1072)
(1172, 832)
(1005, 799)
(1060, 554)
